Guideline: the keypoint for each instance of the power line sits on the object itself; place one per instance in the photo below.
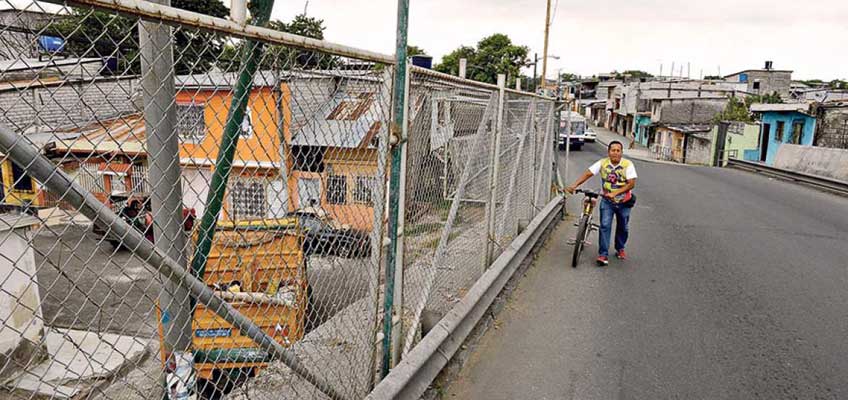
(553, 16)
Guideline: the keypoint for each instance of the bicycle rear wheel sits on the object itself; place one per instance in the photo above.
(579, 240)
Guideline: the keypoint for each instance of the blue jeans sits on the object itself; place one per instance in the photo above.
(622, 214)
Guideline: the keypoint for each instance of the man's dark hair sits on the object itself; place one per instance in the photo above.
(615, 142)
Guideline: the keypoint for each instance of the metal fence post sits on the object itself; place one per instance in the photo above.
(158, 89)
(250, 55)
(494, 160)
(399, 110)
(397, 334)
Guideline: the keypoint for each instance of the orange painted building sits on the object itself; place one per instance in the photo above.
(307, 142)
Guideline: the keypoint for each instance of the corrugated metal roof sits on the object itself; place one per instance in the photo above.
(348, 120)
(125, 134)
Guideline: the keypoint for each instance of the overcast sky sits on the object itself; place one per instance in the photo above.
(591, 36)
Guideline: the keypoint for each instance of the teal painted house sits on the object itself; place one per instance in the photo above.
(640, 128)
(783, 123)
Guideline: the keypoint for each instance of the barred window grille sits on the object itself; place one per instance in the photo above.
(363, 190)
(139, 179)
(119, 184)
(88, 177)
(190, 126)
(248, 199)
(337, 189)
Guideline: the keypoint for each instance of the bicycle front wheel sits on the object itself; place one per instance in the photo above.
(580, 239)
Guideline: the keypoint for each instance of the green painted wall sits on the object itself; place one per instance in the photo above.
(740, 137)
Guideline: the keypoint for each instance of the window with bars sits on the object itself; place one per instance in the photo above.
(363, 190)
(337, 189)
(797, 131)
(248, 199)
(190, 122)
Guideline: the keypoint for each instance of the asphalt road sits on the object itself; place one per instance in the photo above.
(736, 288)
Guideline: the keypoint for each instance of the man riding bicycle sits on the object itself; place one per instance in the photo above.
(618, 176)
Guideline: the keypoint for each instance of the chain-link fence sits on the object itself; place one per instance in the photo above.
(195, 209)
(479, 165)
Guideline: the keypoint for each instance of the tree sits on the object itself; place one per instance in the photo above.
(813, 82)
(415, 51)
(282, 57)
(838, 84)
(769, 98)
(101, 34)
(735, 110)
(634, 73)
(450, 62)
(495, 54)
(569, 77)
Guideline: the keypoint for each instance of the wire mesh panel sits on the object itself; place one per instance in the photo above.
(453, 145)
(191, 209)
(275, 154)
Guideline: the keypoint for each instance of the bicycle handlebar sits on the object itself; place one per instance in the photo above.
(590, 193)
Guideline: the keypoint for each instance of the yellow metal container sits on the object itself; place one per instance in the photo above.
(260, 269)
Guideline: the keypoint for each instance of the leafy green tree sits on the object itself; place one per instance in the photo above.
(495, 54)
(415, 51)
(838, 84)
(735, 110)
(282, 57)
(813, 82)
(769, 98)
(569, 77)
(101, 34)
(450, 62)
(635, 74)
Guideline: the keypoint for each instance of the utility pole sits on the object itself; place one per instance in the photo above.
(535, 63)
(545, 55)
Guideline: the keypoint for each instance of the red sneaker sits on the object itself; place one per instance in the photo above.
(602, 261)
(621, 255)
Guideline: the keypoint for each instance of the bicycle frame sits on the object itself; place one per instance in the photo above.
(590, 201)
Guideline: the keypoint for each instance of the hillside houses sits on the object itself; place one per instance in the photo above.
(678, 119)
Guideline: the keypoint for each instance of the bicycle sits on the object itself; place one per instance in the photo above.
(585, 226)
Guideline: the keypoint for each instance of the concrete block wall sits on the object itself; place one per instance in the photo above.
(699, 151)
(832, 128)
(820, 161)
(687, 111)
(70, 104)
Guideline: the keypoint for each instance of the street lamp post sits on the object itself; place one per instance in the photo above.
(535, 62)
